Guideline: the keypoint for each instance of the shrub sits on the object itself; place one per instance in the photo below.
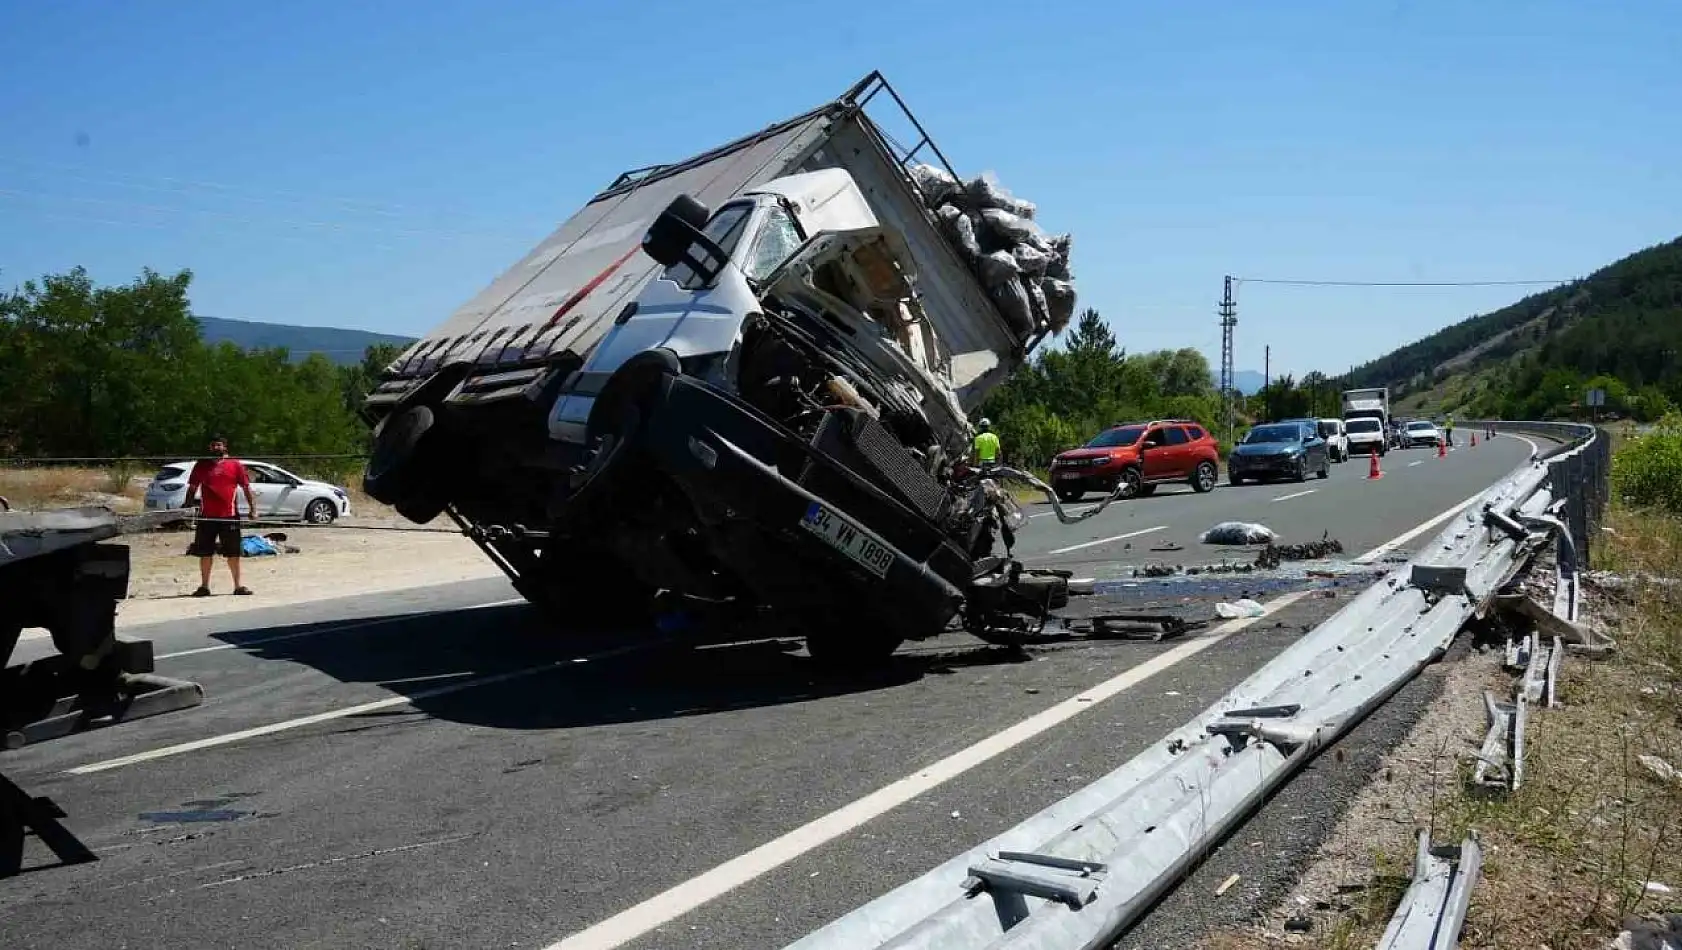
(1647, 471)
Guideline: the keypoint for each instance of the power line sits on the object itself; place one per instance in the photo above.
(1400, 283)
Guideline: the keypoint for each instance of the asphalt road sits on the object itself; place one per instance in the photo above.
(435, 769)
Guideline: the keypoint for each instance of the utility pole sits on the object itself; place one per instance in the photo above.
(1267, 381)
(1229, 319)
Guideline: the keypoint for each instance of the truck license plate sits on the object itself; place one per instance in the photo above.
(848, 538)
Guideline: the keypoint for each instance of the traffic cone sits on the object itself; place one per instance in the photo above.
(1474, 440)
(1373, 470)
(1442, 448)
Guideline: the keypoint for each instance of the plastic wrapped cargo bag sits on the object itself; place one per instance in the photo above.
(1059, 302)
(1031, 261)
(960, 230)
(997, 268)
(1012, 300)
(936, 184)
(1037, 305)
(1059, 266)
(1239, 532)
(1011, 229)
(985, 190)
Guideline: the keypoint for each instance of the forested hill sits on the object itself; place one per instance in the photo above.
(1622, 322)
(340, 346)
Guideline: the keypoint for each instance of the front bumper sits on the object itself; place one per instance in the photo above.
(788, 522)
(1262, 466)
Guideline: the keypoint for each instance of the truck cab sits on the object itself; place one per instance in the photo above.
(809, 240)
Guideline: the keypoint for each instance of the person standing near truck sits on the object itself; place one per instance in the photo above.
(217, 528)
(986, 444)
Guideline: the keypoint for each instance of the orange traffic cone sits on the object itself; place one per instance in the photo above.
(1442, 448)
(1373, 470)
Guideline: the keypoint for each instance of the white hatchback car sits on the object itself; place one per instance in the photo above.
(281, 495)
(1421, 432)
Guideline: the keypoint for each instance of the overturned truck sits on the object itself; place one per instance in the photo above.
(743, 381)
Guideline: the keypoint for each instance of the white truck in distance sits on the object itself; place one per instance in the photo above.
(756, 409)
(1366, 419)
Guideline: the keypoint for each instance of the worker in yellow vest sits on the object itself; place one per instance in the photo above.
(1449, 421)
(986, 444)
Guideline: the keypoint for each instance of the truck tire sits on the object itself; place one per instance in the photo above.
(582, 588)
(850, 648)
(397, 466)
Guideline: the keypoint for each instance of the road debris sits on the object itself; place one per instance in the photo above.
(1240, 608)
(1239, 532)
(1226, 885)
(1275, 554)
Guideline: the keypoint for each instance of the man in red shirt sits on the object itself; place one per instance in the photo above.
(218, 526)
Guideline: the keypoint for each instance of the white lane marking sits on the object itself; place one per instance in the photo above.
(1416, 462)
(665, 907)
(355, 625)
(1416, 531)
(1296, 494)
(1535, 449)
(1119, 537)
(357, 710)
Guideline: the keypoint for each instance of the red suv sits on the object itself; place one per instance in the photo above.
(1138, 456)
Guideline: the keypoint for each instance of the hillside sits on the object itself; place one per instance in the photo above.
(342, 346)
(1619, 329)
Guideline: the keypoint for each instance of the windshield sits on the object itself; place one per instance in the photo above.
(1121, 435)
(1422, 425)
(1277, 433)
(1328, 428)
(1362, 425)
(778, 238)
(169, 472)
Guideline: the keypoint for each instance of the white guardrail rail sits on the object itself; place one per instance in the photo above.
(1077, 875)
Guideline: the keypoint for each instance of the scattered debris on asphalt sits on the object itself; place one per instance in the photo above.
(1275, 554)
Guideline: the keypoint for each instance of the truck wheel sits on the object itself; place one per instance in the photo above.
(397, 467)
(1203, 478)
(851, 647)
(583, 588)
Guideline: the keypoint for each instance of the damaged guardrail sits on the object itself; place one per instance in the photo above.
(1081, 872)
(1433, 910)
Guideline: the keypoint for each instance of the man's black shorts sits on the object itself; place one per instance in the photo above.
(215, 537)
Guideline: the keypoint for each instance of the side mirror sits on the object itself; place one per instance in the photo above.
(673, 236)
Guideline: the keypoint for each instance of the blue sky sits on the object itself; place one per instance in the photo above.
(374, 164)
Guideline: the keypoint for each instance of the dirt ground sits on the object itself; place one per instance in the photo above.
(372, 551)
(335, 561)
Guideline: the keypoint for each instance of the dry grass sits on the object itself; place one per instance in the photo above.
(35, 488)
(1571, 854)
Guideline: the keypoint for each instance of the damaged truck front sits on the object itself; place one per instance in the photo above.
(762, 404)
